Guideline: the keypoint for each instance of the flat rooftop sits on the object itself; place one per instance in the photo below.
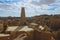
(25, 28)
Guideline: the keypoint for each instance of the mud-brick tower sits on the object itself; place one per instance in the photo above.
(22, 18)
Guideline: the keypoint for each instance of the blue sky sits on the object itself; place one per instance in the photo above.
(32, 7)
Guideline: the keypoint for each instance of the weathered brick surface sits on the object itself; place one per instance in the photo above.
(33, 35)
(40, 35)
(4, 38)
(45, 36)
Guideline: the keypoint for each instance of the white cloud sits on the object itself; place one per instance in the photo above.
(45, 6)
(43, 2)
(5, 6)
(29, 1)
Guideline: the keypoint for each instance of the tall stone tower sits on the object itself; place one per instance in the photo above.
(23, 13)
(22, 18)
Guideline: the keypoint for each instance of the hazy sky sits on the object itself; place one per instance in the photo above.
(32, 7)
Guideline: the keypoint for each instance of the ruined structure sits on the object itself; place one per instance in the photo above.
(21, 23)
(3, 26)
